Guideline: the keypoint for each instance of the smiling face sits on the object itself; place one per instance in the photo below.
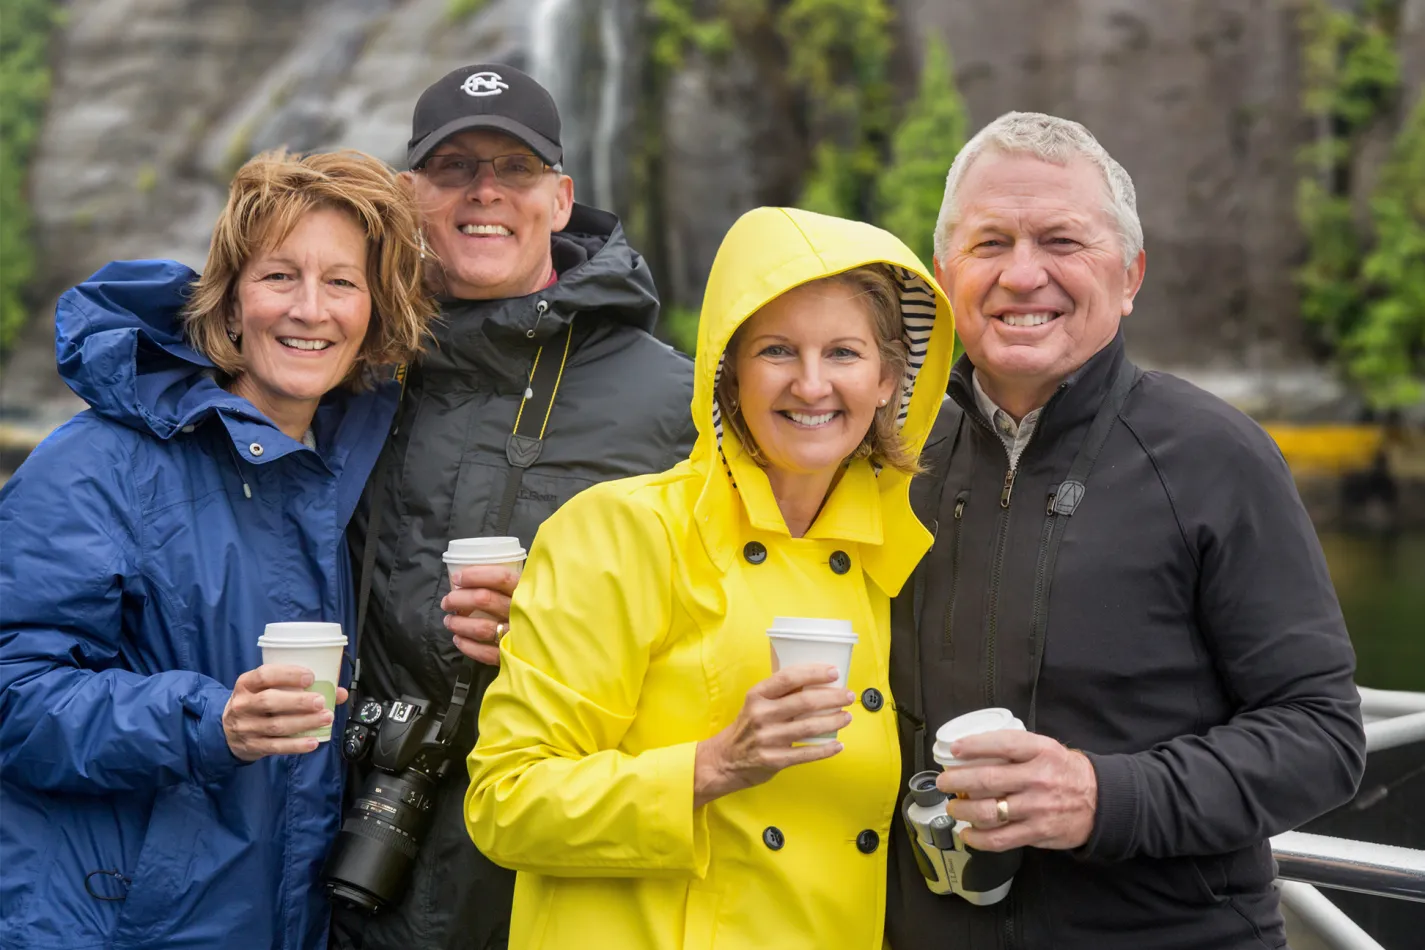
(1034, 270)
(302, 309)
(492, 237)
(809, 378)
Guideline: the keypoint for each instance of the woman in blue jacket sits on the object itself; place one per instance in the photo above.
(152, 794)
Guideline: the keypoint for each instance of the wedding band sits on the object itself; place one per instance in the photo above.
(1002, 811)
(500, 630)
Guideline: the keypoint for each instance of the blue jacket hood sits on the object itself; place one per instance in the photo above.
(120, 346)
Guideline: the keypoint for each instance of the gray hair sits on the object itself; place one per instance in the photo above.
(1050, 139)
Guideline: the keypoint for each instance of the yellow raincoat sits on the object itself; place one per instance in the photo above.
(637, 630)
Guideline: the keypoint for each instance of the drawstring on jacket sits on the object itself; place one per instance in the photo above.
(237, 465)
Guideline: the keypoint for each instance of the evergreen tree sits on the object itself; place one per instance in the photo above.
(922, 148)
(24, 90)
(1385, 352)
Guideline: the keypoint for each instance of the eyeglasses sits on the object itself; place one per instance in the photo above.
(519, 170)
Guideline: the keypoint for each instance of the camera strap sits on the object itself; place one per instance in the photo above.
(916, 717)
(522, 450)
(1064, 500)
(376, 488)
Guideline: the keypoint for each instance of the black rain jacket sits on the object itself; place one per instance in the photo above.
(622, 408)
(1194, 650)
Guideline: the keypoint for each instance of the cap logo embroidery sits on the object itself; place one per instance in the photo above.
(484, 84)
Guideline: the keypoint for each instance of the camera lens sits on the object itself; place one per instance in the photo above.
(379, 839)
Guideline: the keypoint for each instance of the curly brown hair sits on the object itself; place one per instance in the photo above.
(269, 195)
(883, 444)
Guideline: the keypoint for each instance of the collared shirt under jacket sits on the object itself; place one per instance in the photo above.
(637, 630)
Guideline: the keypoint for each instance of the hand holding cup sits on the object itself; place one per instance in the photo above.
(483, 574)
(269, 709)
(793, 705)
(478, 610)
(1050, 792)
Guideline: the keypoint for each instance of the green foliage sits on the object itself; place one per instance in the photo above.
(676, 28)
(868, 161)
(457, 10)
(1386, 350)
(922, 148)
(832, 185)
(1330, 294)
(838, 59)
(679, 327)
(147, 179)
(24, 90)
(1364, 290)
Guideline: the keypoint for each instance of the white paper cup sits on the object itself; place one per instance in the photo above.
(799, 640)
(971, 724)
(316, 646)
(482, 552)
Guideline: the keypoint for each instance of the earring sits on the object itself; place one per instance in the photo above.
(883, 403)
(232, 335)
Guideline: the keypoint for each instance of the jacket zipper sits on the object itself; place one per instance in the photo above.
(1001, 542)
(992, 641)
(948, 637)
(1042, 566)
(1041, 570)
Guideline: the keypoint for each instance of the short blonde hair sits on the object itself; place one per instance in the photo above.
(883, 445)
(269, 195)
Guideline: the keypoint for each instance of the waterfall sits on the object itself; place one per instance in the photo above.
(590, 114)
(610, 103)
(554, 54)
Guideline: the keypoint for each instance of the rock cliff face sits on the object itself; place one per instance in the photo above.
(156, 101)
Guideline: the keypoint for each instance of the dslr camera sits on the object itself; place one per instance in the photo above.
(410, 749)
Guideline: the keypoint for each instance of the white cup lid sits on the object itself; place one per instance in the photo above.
(484, 551)
(301, 633)
(971, 724)
(812, 628)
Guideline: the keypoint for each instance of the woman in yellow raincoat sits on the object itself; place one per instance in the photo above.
(636, 760)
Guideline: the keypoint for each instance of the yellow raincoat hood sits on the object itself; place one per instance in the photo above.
(768, 252)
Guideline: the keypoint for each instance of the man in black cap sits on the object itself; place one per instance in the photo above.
(542, 380)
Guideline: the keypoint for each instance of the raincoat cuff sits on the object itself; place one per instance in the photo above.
(1115, 821)
(215, 759)
(685, 835)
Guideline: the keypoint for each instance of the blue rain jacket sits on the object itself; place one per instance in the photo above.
(136, 575)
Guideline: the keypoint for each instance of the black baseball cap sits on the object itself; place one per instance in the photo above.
(485, 96)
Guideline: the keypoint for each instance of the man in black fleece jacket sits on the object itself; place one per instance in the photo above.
(1163, 622)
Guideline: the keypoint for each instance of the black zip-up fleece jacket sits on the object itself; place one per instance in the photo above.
(623, 408)
(1194, 650)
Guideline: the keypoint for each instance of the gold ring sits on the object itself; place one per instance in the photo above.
(1002, 811)
(500, 630)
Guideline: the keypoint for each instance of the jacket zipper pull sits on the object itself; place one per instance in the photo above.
(959, 508)
(1008, 488)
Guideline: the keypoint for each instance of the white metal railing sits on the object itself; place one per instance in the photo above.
(1326, 920)
(1396, 731)
(1387, 703)
(1381, 869)
(1392, 718)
